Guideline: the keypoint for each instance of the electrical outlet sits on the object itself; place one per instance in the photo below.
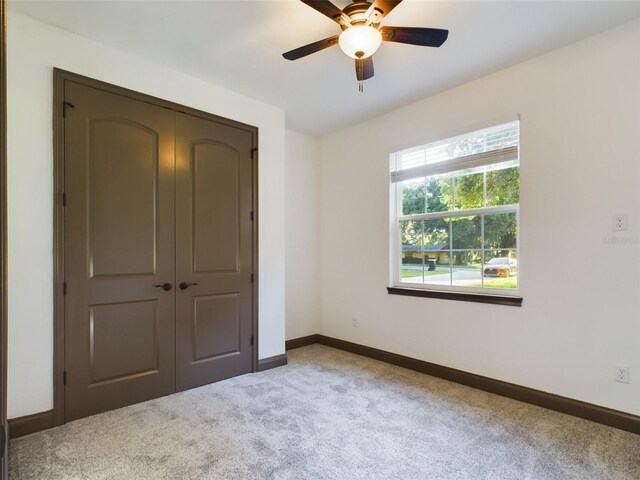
(354, 322)
(622, 374)
(620, 222)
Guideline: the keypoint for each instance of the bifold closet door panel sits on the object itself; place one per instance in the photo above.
(214, 263)
(119, 250)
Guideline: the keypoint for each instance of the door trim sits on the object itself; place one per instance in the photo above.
(3, 238)
(60, 77)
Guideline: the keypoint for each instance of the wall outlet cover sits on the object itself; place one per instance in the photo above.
(620, 222)
(622, 374)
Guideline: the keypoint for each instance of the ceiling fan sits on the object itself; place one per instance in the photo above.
(362, 34)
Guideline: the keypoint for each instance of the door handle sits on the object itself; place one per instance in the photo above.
(185, 285)
(165, 286)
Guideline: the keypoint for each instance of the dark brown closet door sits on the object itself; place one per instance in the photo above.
(119, 246)
(213, 251)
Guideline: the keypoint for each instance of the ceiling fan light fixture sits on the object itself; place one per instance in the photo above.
(360, 41)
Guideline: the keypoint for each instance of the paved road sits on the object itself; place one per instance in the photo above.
(461, 276)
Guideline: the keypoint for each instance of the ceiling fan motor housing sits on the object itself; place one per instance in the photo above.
(356, 12)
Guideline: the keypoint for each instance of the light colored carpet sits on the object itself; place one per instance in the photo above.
(329, 415)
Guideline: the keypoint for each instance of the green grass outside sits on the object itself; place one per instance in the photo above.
(508, 282)
(409, 273)
(440, 270)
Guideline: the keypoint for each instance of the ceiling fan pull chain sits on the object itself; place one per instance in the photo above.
(361, 87)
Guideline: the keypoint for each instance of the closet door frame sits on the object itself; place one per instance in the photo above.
(60, 78)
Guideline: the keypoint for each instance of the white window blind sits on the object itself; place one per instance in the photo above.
(476, 149)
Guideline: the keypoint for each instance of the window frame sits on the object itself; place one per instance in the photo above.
(451, 166)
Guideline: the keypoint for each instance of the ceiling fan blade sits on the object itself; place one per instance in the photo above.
(426, 37)
(326, 8)
(383, 6)
(364, 68)
(311, 48)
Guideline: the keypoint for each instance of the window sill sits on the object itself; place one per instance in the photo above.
(464, 297)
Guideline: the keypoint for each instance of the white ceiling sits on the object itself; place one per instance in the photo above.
(238, 45)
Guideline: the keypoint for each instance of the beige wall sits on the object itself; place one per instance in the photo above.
(302, 252)
(580, 138)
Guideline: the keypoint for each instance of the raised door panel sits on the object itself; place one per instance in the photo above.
(215, 206)
(123, 341)
(122, 197)
(216, 326)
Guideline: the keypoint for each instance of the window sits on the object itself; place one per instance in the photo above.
(454, 210)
